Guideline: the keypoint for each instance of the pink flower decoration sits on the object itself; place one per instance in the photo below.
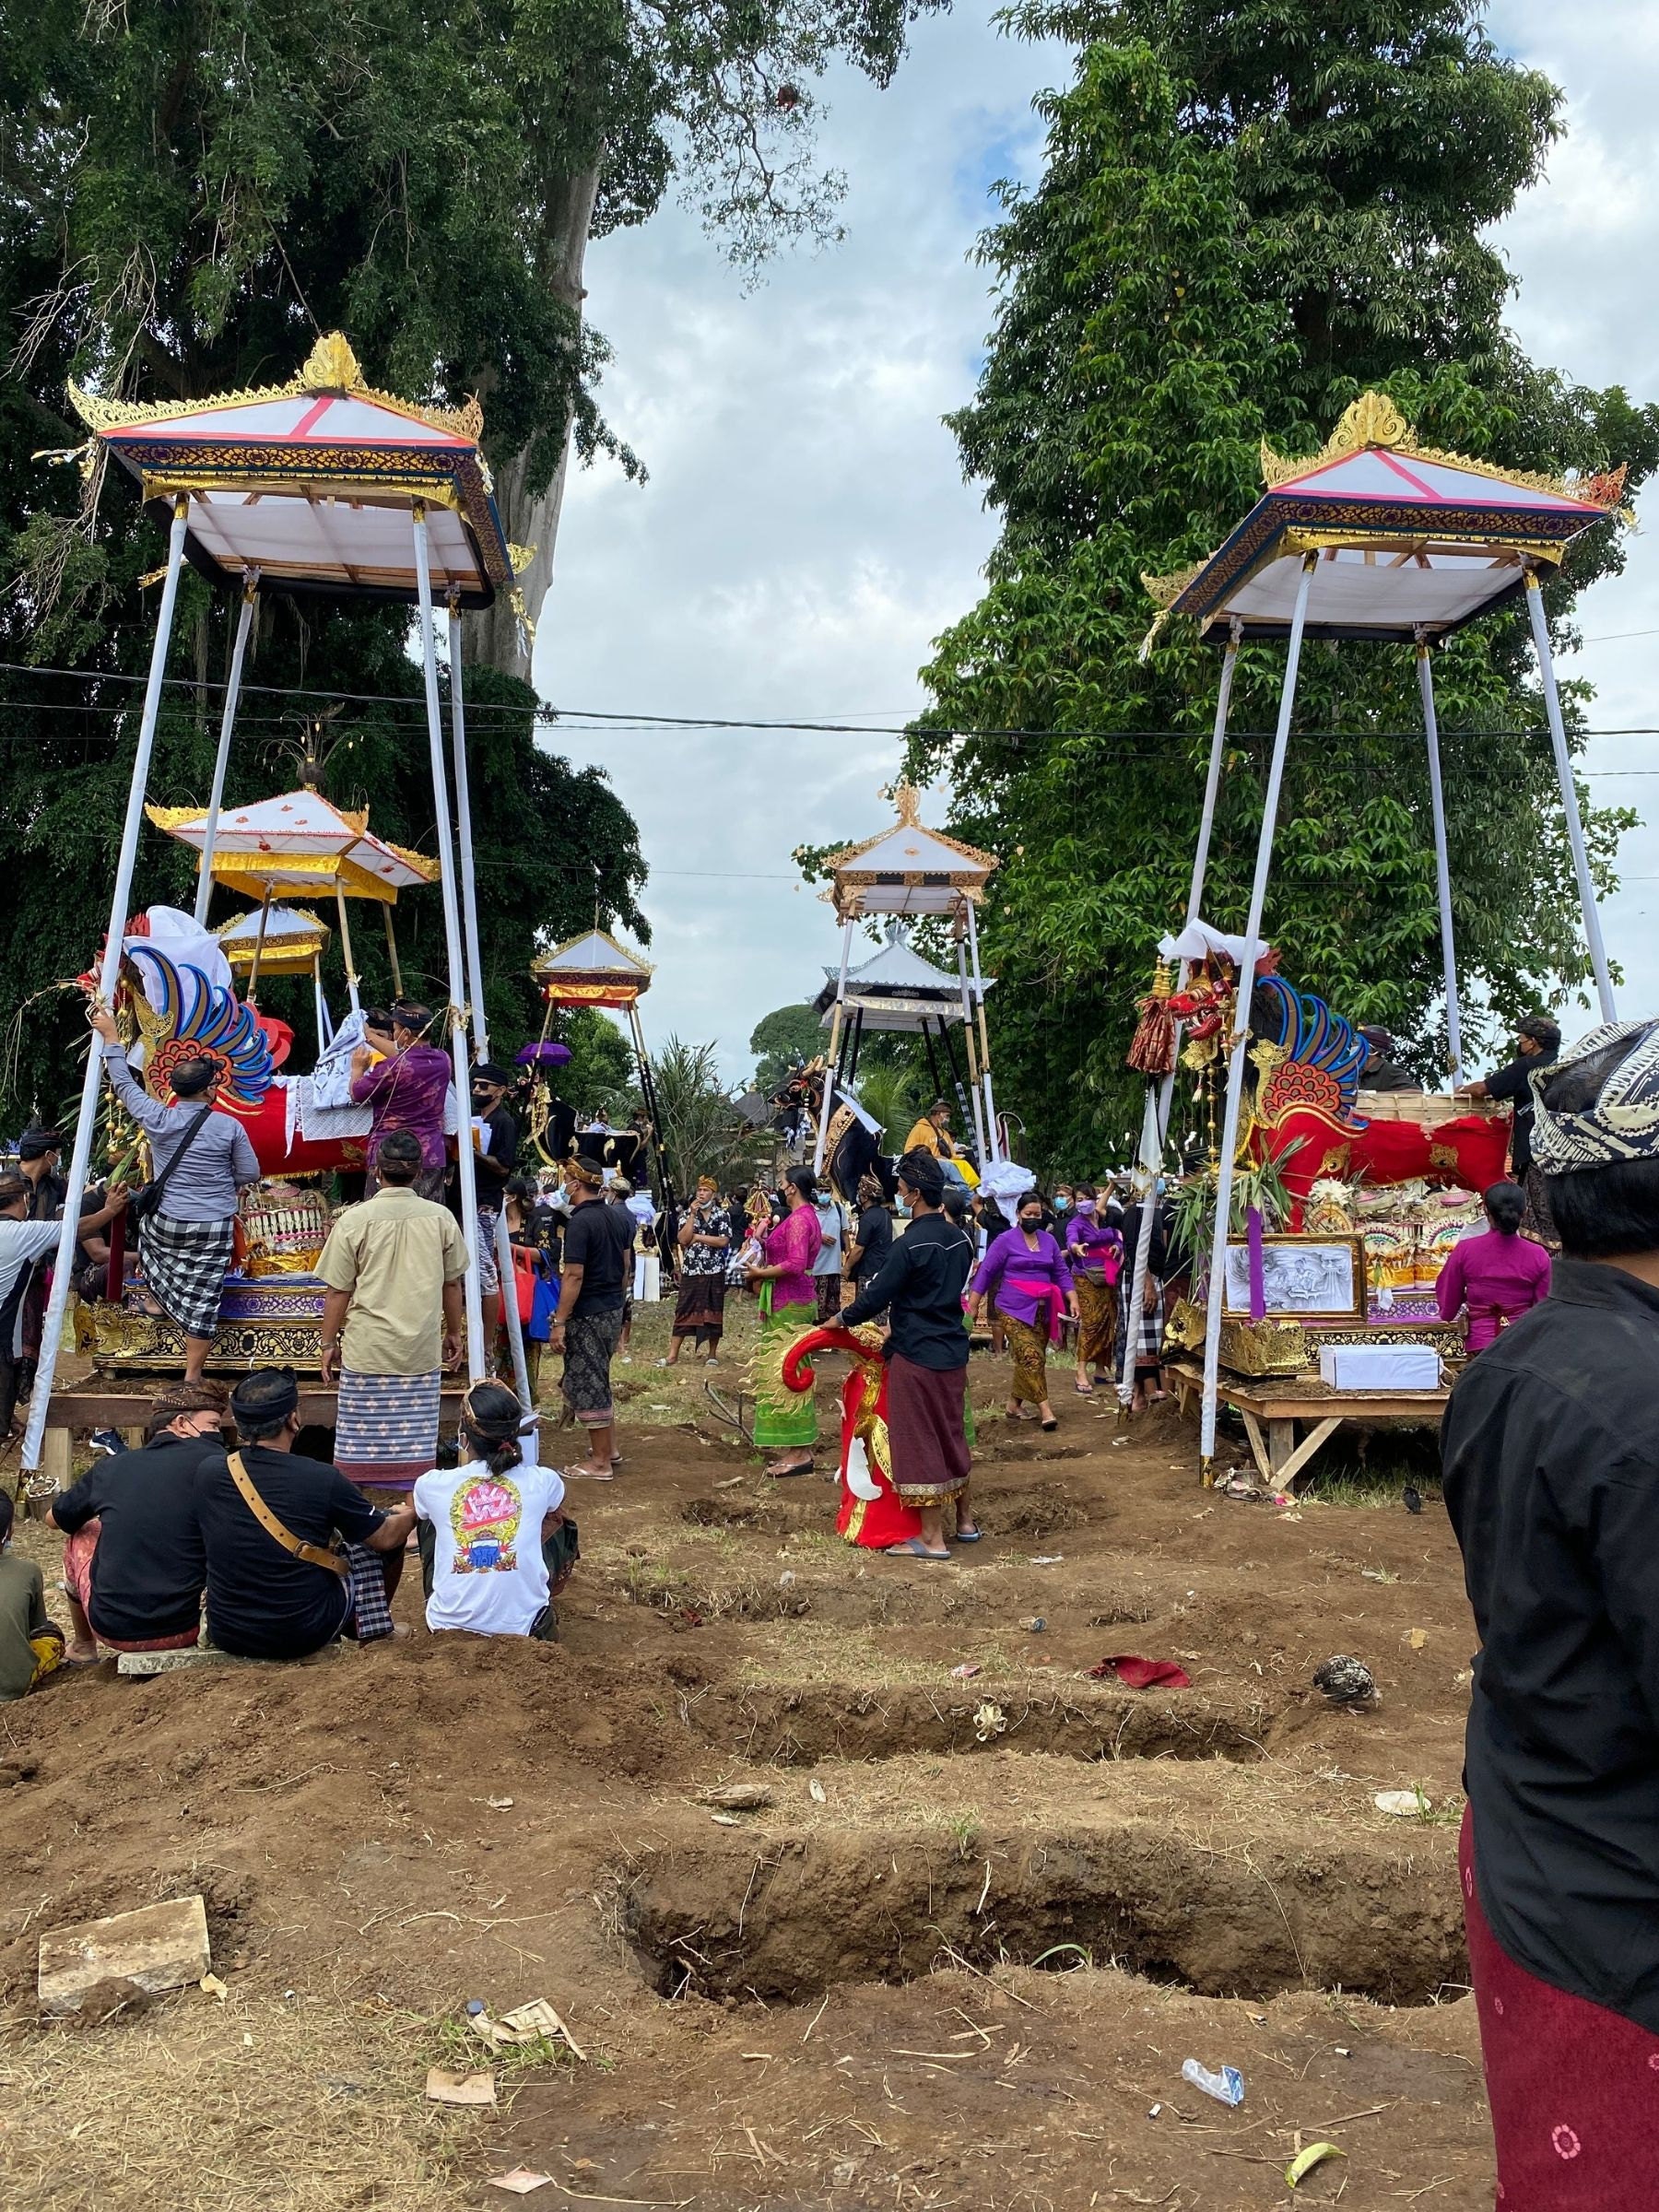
(1567, 2145)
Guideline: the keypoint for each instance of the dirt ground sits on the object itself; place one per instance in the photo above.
(957, 1958)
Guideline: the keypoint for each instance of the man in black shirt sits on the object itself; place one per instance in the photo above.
(921, 1284)
(134, 1567)
(872, 1234)
(598, 1245)
(277, 1587)
(1382, 1070)
(1537, 1041)
(1550, 1452)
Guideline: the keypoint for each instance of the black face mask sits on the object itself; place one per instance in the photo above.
(1030, 1221)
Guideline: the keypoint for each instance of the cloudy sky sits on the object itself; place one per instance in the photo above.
(806, 530)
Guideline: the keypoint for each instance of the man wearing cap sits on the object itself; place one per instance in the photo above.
(1537, 1041)
(932, 1132)
(391, 1324)
(588, 1326)
(279, 1584)
(1550, 1455)
(1382, 1071)
(921, 1283)
(495, 1151)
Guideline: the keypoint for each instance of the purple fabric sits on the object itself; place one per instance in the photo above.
(406, 1092)
(1021, 1280)
(1498, 1278)
(794, 1244)
(1258, 1279)
(1094, 1243)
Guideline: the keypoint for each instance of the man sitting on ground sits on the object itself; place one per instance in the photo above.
(133, 1566)
(277, 1588)
(30, 1645)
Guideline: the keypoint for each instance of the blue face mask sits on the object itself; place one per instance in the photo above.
(1063, 1205)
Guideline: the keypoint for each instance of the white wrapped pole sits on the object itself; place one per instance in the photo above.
(1241, 1038)
(475, 993)
(1442, 865)
(1570, 807)
(975, 1102)
(453, 958)
(992, 1142)
(216, 797)
(835, 1025)
(80, 1158)
(1158, 1116)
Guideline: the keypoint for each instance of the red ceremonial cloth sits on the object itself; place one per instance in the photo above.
(1573, 2088)
(1144, 1674)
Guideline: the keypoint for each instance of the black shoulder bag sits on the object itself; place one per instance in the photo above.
(147, 1200)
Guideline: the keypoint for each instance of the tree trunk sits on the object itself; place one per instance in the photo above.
(496, 637)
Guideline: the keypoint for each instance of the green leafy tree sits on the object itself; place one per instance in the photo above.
(194, 188)
(780, 1040)
(700, 1128)
(1169, 294)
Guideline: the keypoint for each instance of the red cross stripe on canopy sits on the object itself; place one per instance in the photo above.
(308, 485)
(1412, 543)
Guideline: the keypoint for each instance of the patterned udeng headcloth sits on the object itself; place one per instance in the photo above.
(1619, 1116)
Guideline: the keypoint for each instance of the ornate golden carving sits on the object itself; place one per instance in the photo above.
(1374, 420)
(1163, 591)
(331, 365)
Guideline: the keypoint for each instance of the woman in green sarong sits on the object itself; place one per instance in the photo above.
(785, 1421)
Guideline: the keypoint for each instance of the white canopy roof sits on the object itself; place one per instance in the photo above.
(315, 483)
(908, 869)
(300, 840)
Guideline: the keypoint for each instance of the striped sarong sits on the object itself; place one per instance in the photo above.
(185, 1264)
(386, 1427)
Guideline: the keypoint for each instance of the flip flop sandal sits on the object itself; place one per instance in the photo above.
(1049, 1426)
(912, 1547)
(1084, 1390)
(783, 1474)
(966, 1535)
(584, 1475)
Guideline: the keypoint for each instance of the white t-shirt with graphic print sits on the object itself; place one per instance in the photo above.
(489, 1575)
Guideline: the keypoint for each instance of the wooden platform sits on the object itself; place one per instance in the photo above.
(1271, 1406)
(95, 1401)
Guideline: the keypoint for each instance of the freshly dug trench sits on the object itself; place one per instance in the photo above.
(795, 1725)
(786, 1918)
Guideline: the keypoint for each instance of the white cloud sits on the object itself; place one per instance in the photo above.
(805, 532)
(1580, 242)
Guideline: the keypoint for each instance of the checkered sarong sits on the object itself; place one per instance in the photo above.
(185, 1264)
(370, 1614)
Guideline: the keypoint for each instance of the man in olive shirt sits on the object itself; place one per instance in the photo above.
(391, 1321)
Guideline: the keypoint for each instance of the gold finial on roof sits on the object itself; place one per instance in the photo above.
(331, 365)
(908, 800)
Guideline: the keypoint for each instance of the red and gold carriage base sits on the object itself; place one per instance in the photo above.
(1305, 1103)
(871, 1511)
